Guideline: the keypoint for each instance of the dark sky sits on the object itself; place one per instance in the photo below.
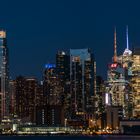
(36, 29)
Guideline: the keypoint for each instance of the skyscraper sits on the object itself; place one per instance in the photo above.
(52, 87)
(82, 82)
(118, 89)
(126, 61)
(4, 76)
(51, 113)
(12, 91)
(100, 89)
(136, 82)
(63, 72)
(26, 91)
(62, 66)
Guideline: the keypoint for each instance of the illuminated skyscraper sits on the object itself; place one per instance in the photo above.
(118, 89)
(100, 89)
(82, 80)
(126, 59)
(4, 76)
(25, 95)
(12, 91)
(50, 113)
(52, 87)
(62, 66)
(136, 82)
(63, 72)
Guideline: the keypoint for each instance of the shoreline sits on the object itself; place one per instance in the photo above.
(77, 135)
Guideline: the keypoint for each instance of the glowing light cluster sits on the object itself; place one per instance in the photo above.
(49, 66)
(113, 65)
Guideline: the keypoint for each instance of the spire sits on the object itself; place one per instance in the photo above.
(115, 47)
(127, 38)
(127, 51)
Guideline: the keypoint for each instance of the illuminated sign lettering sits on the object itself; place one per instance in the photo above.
(113, 65)
(107, 98)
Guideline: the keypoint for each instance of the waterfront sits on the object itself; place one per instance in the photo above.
(104, 137)
(76, 76)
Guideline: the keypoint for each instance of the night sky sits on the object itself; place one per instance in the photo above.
(37, 29)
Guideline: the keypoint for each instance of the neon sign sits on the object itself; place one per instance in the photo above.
(113, 65)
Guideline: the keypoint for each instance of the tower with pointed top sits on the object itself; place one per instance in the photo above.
(117, 87)
(119, 74)
(127, 37)
(127, 51)
(126, 58)
(115, 47)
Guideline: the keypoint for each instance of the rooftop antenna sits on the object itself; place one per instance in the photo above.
(127, 41)
(115, 47)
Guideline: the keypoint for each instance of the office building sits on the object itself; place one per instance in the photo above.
(52, 88)
(26, 90)
(82, 83)
(114, 114)
(136, 82)
(62, 66)
(12, 91)
(50, 115)
(100, 90)
(4, 76)
(118, 91)
(63, 73)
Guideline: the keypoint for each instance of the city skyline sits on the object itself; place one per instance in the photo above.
(36, 31)
(69, 67)
(71, 94)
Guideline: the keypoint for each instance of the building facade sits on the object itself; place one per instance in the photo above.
(82, 82)
(63, 73)
(118, 90)
(12, 91)
(52, 88)
(26, 90)
(50, 115)
(4, 76)
(135, 81)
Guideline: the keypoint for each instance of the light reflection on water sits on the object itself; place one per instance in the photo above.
(105, 137)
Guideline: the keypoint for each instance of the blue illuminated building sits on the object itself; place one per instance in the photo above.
(49, 66)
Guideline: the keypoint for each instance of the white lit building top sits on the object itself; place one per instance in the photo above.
(127, 52)
(2, 34)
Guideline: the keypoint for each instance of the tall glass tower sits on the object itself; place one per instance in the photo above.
(82, 79)
(4, 76)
